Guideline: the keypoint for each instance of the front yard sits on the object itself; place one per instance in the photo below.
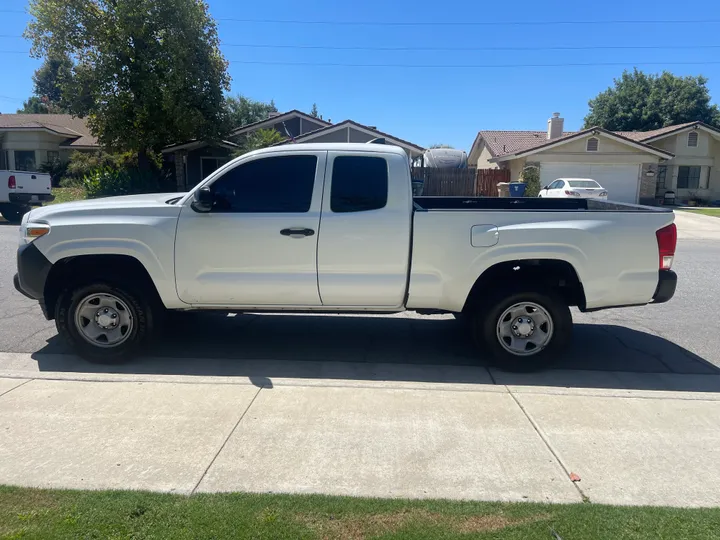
(68, 194)
(57, 514)
(715, 212)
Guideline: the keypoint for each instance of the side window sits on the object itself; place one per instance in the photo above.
(267, 185)
(554, 185)
(359, 184)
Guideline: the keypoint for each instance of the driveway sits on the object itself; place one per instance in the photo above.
(697, 226)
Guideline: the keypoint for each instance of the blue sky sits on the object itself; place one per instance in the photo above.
(430, 104)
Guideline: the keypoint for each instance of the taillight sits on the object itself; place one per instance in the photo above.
(603, 193)
(667, 241)
(572, 193)
(11, 182)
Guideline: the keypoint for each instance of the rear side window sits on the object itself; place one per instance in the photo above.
(359, 184)
(267, 185)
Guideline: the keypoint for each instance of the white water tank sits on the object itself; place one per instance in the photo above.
(445, 158)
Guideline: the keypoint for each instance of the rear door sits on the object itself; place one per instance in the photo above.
(364, 243)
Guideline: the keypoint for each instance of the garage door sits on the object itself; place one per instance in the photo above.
(620, 181)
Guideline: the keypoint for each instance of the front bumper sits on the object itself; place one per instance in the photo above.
(33, 270)
(667, 282)
(31, 198)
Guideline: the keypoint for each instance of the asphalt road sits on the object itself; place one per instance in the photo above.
(680, 337)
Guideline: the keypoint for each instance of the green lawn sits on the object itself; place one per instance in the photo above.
(706, 211)
(31, 513)
(68, 194)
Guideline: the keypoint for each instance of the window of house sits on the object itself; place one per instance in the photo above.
(359, 184)
(53, 156)
(25, 160)
(661, 176)
(688, 177)
(209, 165)
(592, 144)
(267, 185)
(693, 138)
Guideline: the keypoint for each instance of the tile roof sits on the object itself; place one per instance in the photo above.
(353, 123)
(63, 124)
(644, 135)
(504, 143)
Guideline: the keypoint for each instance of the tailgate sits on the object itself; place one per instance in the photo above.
(29, 182)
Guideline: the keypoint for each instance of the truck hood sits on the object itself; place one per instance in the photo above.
(130, 204)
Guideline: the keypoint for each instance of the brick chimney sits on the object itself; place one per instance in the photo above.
(555, 126)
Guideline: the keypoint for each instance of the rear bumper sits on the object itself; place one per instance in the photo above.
(667, 282)
(30, 198)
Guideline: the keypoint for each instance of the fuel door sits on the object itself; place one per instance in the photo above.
(484, 235)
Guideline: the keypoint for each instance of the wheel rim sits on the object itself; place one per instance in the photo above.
(104, 320)
(524, 329)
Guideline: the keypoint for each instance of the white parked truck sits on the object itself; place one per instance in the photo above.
(20, 190)
(334, 228)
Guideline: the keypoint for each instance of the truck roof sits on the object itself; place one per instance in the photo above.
(334, 147)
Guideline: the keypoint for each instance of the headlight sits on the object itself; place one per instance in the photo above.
(32, 231)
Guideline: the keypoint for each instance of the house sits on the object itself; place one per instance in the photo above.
(633, 166)
(29, 140)
(195, 160)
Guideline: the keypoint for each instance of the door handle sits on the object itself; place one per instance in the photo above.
(297, 232)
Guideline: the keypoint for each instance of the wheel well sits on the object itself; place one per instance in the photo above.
(74, 271)
(539, 273)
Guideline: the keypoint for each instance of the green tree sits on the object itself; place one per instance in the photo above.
(146, 72)
(314, 111)
(531, 177)
(48, 78)
(261, 138)
(642, 102)
(243, 110)
(47, 90)
(34, 105)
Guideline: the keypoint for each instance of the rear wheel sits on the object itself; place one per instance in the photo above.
(524, 331)
(13, 213)
(104, 322)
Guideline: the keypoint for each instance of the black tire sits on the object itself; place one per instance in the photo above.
(140, 311)
(485, 329)
(13, 213)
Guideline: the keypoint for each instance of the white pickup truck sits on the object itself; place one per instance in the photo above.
(334, 228)
(19, 190)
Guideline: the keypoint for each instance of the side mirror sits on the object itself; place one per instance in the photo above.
(544, 187)
(202, 200)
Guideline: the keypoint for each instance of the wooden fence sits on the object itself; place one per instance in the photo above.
(460, 182)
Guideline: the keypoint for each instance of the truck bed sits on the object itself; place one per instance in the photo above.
(529, 204)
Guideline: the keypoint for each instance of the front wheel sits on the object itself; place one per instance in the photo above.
(524, 331)
(103, 322)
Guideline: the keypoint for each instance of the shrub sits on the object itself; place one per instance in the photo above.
(531, 177)
(108, 182)
(56, 169)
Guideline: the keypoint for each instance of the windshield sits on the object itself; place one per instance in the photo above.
(584, 183)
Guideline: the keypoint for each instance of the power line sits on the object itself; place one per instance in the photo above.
(11, 98)
(11, 11)
(473, 66)
(463, 23)
(458, 49)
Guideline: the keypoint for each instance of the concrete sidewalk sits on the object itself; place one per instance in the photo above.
(388, 438)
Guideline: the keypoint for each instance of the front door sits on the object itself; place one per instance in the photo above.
(258, 244)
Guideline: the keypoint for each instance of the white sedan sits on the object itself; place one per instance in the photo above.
(574, 188)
